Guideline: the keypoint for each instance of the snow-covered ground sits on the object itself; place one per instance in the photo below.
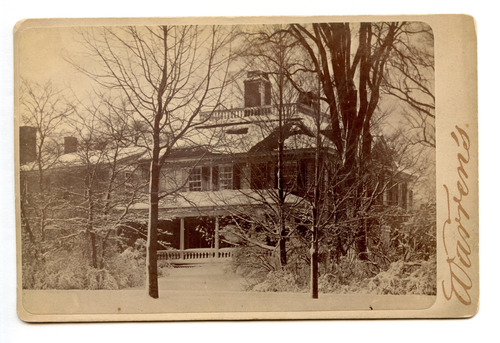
(205, 289)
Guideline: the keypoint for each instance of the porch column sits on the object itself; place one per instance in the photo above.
(216, 243)
(182, 237)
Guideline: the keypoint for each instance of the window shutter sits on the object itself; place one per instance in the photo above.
(236, 176)
(182, 179)
(215, 178)
(205, 178)
(302, 175)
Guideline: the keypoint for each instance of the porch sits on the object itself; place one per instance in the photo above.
(196, 256)
(198, 221)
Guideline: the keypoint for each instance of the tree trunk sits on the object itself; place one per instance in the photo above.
(281, 192)
(151, 253)
(314, 263)
(93, 246)
(42, 226)
(90, 224)
(41, 188)
(315, 207)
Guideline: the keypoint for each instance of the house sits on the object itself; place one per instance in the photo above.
(224, 169)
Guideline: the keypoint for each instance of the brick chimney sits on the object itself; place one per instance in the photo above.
(27, 144)
(70, 145)
(257, 89)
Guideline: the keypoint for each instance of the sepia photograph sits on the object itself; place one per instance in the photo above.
(256, 170)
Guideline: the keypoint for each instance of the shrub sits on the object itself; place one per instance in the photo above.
(164, 268)
(254, 264)
(278, 281)
(127, 268)
(405, 278)
(400, 279)
(347, 270)
(70, 269)
(262, 271)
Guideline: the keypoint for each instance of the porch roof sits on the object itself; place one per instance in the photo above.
(217, 202)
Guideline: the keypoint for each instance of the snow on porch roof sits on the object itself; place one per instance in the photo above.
(197, 202)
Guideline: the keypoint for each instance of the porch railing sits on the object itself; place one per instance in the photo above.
(202, 255)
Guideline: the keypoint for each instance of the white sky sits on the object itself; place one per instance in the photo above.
(42, 54)
(41, 59)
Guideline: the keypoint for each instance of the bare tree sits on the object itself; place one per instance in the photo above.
(169, 74)
(353, 65)
(410, 80)
(273, 50)
(44, 108)
(90, 188)
(97, 181)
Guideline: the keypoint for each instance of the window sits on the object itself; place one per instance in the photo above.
(404, 196)
(165, 182)
(290, 172)
(392, 195)
(260, 178)
(195, 179)
(226, 177)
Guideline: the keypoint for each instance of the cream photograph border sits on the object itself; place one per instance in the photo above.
(456, 171)
(460, 330)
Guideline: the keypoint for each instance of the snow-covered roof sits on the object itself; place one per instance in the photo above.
(216, 200)
(80, 158)
(253, 133)
(235, 135)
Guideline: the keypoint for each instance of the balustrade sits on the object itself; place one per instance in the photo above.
(194, 255)
(232, 113)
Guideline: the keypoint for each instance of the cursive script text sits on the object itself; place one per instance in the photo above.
(458, 282)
